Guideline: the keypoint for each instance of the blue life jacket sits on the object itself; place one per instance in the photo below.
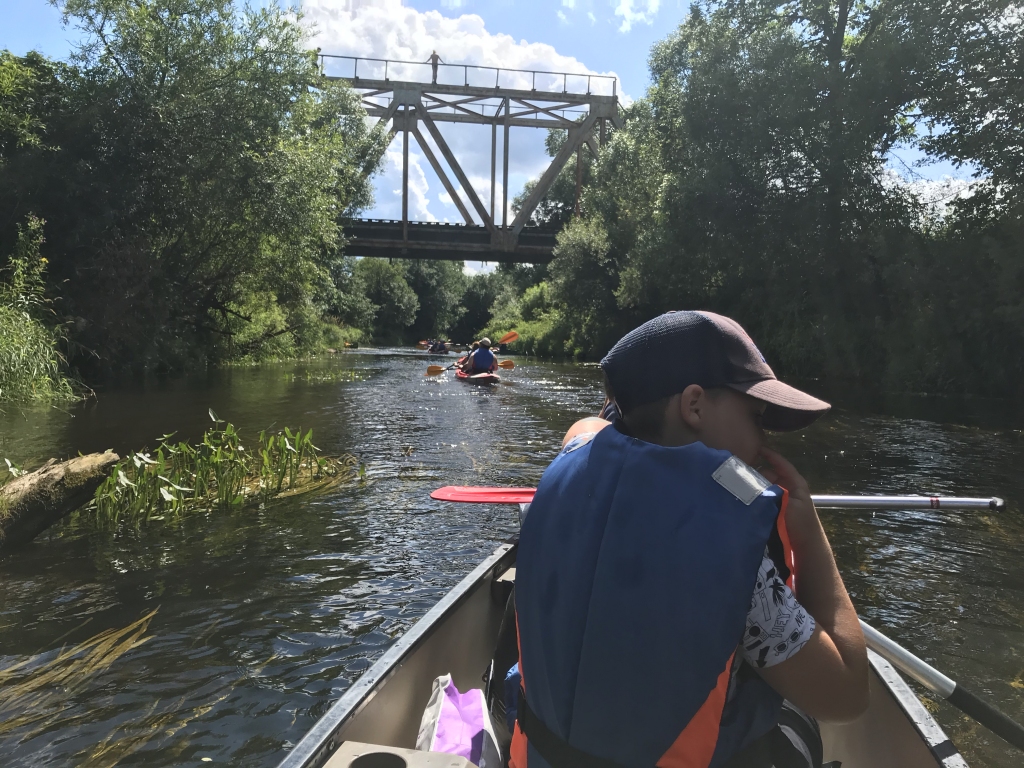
(483, 359)
(635, 572)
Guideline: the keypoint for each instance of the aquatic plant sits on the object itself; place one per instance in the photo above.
(326, 376)
(31, 365)
(218, 472)
(35, 691)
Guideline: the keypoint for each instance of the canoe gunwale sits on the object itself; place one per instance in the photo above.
(939, 744)
(317, 745)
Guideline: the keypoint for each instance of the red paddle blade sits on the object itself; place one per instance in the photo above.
(479, 495)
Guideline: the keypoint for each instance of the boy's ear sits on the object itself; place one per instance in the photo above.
(691, 406)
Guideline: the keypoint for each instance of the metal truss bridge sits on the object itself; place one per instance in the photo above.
(415, 96)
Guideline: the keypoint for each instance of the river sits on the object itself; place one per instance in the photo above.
(265, 616)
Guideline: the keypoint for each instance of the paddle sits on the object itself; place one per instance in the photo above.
(936, 682)
(434, 370)
(508, 338)
(485, 495)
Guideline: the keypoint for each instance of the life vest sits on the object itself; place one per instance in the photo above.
(635, 573)
(482, 360)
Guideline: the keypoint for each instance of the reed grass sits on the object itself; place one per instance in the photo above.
(219, 472)
(32, 368)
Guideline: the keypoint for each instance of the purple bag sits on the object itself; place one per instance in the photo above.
(458, 724)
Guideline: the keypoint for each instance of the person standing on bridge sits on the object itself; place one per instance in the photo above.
(434, 60)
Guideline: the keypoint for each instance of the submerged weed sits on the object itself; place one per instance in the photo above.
(34, 692)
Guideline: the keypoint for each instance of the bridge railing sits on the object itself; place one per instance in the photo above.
(363, 68)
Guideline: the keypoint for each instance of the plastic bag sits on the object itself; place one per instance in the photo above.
(458, 724)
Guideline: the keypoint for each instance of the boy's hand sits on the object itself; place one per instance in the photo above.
(801, 517)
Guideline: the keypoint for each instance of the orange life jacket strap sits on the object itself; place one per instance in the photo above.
(787, 548)
(695, 746)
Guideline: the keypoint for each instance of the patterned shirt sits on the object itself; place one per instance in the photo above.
(777, 625)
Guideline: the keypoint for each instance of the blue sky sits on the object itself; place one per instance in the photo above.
(605, 35)
(601, 36)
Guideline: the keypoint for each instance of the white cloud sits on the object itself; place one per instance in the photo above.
(563, 18)
(477, 268)
(592, 17)
(387, 29)
(643, 12)
(391, 179)
(937, 195)
(570, 4)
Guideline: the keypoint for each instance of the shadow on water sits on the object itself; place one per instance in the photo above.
(264, 617)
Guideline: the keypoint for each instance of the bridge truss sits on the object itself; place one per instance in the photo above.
(414, 99)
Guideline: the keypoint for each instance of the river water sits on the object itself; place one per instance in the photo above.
(264, 617)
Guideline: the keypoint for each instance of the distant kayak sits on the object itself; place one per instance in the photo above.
(480, 378)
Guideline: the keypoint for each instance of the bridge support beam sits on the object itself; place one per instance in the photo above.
(408, 103)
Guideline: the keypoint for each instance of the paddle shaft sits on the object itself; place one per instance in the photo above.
(908, 502)
(936, 682)
(485, 495)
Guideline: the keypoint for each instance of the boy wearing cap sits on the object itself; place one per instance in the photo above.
(481, 360)
(669, 597)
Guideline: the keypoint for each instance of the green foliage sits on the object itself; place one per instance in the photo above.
(31, 365)
(751, 181)
(481, 292)
(439, 287)
(220, 472)
(21, 83)
(193, 167)
(975, 102)
(351, 308)
(395, 303)
(542, 327)
(557, 207)
(583, 283)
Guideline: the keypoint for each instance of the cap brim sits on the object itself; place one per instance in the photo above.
(788, 408)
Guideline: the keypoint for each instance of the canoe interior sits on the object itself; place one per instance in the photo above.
(458, 637)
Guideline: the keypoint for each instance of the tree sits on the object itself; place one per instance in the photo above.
(975, 103)
(439, 287)
(395, 303)
(558, 206)
(583, 282)
(198, 168)
(482, 290)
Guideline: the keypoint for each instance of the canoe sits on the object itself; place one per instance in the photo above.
(377, 719)
(479, 378)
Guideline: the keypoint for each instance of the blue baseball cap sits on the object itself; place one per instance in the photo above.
(669, 353)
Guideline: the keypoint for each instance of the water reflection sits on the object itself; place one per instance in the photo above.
(266, 616)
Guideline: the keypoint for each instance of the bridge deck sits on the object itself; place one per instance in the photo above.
(450, 242)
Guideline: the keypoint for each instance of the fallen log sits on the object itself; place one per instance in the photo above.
(33, 502)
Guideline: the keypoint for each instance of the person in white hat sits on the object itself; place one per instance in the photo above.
(482, 360)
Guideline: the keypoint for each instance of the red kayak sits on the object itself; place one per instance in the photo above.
(480, 378)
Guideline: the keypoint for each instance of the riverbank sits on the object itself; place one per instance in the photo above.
(267, 615)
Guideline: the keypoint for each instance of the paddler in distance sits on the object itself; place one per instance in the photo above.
(463, 364)
(669, 598)
(481, 360)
